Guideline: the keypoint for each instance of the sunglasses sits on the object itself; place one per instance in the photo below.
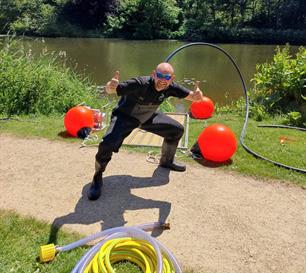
(163, 76)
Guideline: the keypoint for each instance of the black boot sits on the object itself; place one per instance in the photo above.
(97, 182)
(167, 157)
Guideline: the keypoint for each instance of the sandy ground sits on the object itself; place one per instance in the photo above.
(220, 222)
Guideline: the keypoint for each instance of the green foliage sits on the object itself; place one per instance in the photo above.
(88, 14)
(280, 86)
(220, 34)
(52, 18)
(274, 21)
(257, 112)
(245, 21)
(195, 24)
(141, 19)
(123, 20)
(28, 16)
(43, 85)
(295, 118)
(279, 89)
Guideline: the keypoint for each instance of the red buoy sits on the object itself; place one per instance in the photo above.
(217, 143)
(77, 118)
(202, 109)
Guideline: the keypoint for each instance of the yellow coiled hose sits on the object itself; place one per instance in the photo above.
(120, 244)
(136, 251)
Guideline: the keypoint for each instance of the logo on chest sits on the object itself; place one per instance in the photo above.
(161, 97)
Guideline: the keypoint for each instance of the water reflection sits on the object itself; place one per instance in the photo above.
(99, 58)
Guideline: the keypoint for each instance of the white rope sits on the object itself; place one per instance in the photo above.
(90, 138)
(153, 158)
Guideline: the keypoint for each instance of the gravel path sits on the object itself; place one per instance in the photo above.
(220, 222)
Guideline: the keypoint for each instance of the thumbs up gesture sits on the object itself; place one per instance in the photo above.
(197, 93)
(111, 86)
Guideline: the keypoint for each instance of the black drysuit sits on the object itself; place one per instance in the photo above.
(138, 107)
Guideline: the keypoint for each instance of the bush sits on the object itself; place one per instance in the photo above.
(136, 19)
(41, 85)
(280, 86)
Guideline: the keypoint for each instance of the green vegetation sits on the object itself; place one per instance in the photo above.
(280, 87)
(137, 20)
(29, 233)
(261, 21)
(42, 85)
(53, 18)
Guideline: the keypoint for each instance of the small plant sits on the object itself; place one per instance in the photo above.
(294, 118)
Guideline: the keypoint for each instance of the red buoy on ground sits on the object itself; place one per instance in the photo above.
(202, 109)
(217, 143)
(77, 118)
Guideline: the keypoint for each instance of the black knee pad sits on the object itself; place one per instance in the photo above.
(176, 132)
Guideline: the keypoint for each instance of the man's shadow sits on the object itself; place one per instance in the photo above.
(115, 199)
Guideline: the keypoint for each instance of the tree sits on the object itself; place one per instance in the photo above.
(8, 13)
(197, 18)
(28, 16)
(292, 14)
(141, 19)
(90, 14)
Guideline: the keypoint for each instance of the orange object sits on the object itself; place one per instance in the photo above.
(284, 139)
(202, 109)
(77, 118)
(217, 143)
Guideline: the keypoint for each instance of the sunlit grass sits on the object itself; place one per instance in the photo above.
(266, 142)
(21, 238)
(20, 241)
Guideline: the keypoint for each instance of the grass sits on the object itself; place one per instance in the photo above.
(21, 238)
(41, 83)
(19, 246)
(264, 141)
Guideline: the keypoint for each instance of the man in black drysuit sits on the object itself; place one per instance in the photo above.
(137, 107)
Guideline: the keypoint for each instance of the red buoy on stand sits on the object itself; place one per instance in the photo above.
(202, 109)
(77, 118)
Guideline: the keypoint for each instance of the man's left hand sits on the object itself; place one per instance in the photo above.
(197, 94)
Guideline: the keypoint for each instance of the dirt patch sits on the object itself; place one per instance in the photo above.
(220, 222)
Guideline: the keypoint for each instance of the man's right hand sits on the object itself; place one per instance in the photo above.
(111, 86)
